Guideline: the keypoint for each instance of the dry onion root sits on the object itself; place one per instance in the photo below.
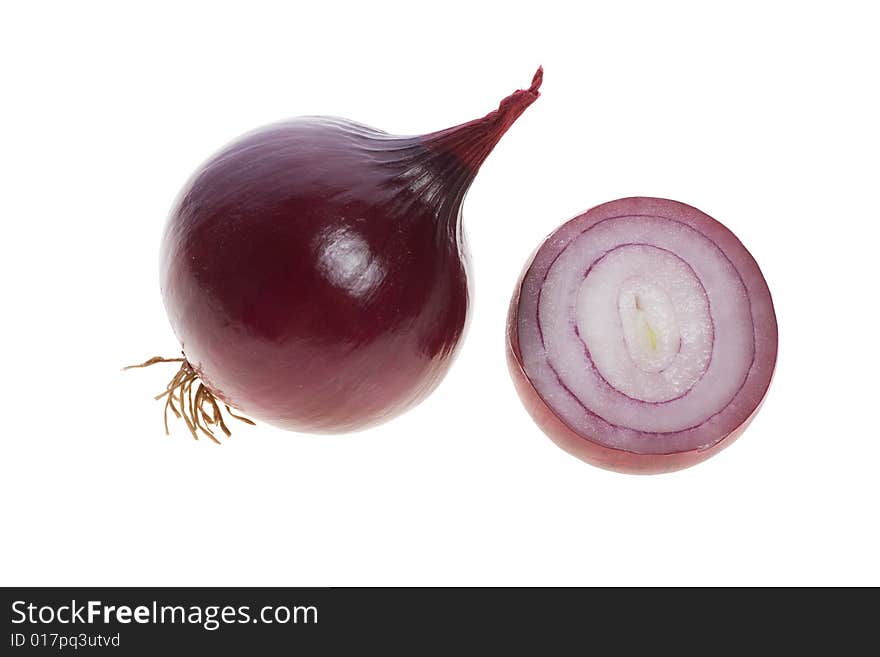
(199, 410)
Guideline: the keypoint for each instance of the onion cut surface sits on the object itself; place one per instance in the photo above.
(642, 336)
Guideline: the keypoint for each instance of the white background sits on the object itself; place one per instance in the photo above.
(765, 115)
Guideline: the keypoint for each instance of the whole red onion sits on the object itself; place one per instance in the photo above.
(642, 336)
(315, 270)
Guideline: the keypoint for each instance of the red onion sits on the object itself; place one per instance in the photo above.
(642, 336)
(315, 270)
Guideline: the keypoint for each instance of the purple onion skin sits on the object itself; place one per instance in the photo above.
(315, 271)
(585, 447)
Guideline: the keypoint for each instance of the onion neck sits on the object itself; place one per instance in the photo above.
(458, 152)
(472, 142)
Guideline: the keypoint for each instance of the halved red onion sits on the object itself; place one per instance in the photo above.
(642, 336)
